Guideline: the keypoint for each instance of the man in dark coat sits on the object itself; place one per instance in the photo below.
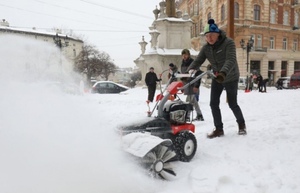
(173, 71)
(260, 83)
(220, 51)
(150, 80)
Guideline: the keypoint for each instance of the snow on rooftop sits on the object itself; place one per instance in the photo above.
(34, 31)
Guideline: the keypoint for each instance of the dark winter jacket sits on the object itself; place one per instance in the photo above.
(173, 72)
(185, 65)
(221, 56)
(189, 90)
(259, 80)
(151, 79)
(184, 68)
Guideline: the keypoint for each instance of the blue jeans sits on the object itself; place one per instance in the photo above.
(231, 89)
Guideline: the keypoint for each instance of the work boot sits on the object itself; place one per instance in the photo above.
(216, 133)
(242, 129)
(200, 117)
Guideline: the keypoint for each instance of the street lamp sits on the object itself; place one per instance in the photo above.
(248, 49)
(60, 42)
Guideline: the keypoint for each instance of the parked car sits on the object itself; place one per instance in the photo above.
(283, 82)
(242, 83)
(295, 80)
(104, 87)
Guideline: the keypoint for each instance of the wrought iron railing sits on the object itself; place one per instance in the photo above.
(260, 49)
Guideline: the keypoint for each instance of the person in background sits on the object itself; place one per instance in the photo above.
(265, 81)
(220, 51)
(197, 90)
(250, 82)
(260, 83)
(193, 88)
(150, 80)
(279, 84)
(173, 71)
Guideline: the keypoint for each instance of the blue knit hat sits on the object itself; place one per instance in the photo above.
(211, 27)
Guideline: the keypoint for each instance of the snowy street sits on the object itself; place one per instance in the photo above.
(56, 141)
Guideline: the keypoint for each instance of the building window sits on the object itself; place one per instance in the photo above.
(236, 10)
(273, 16)
(254, 42)
(259, 41)
(208, 16)
(196, 9)
(296, 67)
(283, 68)
(295, 45)
(257, 12)
(74, 52)
(284, 44)
(286, 18)
(223, 12)
(201, 25)
(296, 22)
(272, 43)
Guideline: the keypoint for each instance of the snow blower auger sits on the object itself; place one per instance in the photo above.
(166, 138)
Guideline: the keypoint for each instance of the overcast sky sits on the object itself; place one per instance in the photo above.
(114, 26)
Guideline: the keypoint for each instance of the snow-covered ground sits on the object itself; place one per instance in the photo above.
(53, 141)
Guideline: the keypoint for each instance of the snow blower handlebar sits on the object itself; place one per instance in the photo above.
(174, 87)
(209, 72)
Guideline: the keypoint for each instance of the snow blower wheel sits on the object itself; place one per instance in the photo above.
(158, 162)
(185, 145)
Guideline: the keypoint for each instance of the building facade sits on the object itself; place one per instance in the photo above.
(272, 24)
(70, 47)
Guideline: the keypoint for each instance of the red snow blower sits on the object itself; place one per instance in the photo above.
(169, 136)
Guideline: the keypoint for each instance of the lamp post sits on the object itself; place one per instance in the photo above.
(60, 42)
(248, 49)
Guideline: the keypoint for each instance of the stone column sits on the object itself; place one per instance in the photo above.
(162, 6)
(154, 35)
(277, 67)
(143, 45)
(290, 67)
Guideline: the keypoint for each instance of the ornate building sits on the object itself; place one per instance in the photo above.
(272, 24)
(170, 33)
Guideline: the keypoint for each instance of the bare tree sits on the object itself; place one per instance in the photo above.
(94, 63)
(108, 66)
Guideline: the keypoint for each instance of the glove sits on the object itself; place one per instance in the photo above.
(220, 77)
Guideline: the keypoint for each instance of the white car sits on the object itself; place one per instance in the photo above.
(285, 81)
(242, 83)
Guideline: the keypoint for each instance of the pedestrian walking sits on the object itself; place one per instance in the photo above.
(150, 80)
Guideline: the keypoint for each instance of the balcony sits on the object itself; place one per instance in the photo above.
(260, 49)
(296, 4)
